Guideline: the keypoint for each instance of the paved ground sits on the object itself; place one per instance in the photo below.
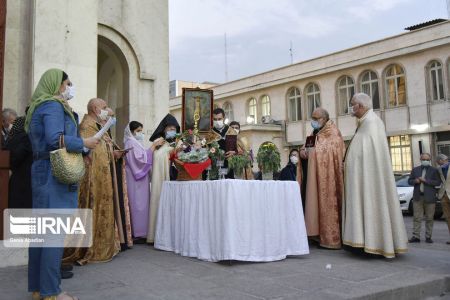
(145, 273)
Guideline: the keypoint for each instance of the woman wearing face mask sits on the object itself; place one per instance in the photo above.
(48, 118)
(292, 171)
(138, 167)
(163, 144)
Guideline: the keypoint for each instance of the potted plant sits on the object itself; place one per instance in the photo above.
(268, 159)
(238, 163)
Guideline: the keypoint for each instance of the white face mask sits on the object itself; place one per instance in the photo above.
(103, 115)
(218, 124)
(139, 136)
(294, 159)
(69, 93)
(352, 111)
(237, 130)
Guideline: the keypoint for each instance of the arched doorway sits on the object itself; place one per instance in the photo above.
(113, 79)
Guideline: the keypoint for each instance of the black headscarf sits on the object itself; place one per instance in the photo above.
(168, 120)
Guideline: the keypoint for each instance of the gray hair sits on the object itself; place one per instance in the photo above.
(363, 99)
(7, 112)
(323, 112)
(442, 157)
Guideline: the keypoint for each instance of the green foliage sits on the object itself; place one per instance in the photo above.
(239, 162)
(268, 157)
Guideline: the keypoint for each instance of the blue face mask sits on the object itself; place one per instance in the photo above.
(170, 134)
(315, 124)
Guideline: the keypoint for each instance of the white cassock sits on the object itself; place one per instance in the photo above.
(371, 214)
(160, 173)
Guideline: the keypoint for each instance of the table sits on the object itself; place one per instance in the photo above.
(246, 220)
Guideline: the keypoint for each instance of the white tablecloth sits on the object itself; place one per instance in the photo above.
(247, 220)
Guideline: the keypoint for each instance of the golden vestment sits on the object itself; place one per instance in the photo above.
(324, 187)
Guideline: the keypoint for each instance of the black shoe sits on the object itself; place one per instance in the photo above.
(66, 268)
(414, 240)
(429, 241)
(66, 274)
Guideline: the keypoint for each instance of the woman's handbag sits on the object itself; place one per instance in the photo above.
(67, 168)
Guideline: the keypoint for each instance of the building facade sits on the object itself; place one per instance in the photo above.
(407, 76)
(117, 50)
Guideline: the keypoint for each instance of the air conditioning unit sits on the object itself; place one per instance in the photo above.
(265, 119)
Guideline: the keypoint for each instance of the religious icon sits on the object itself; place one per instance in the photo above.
(197, 106)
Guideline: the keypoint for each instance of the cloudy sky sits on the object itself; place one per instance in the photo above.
(259, 32)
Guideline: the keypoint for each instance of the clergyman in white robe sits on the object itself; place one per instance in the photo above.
(371, 214)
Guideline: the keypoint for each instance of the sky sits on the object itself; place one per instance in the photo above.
(259, 32)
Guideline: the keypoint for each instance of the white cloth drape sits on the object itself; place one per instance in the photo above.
(232, 220)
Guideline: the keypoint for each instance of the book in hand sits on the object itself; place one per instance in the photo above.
(310, 141)
(231, 143)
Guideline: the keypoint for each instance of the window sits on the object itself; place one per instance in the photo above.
(436, 81)
(346, 90)
(228, 111)
(400, 148)
(265, 105)
(252, 113)
(294, 104)
(313, 98)
(395, 86)
(369, 86)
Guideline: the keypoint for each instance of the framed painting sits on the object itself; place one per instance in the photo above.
(197, 108)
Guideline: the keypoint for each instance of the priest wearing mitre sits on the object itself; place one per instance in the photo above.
(371, 215)
(325, 183)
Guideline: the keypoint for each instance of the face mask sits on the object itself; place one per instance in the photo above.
(425, 163)
(170, 134)
(69, 93)
(237, 131)
(139, 136)
(352, 110)
(218, 124)
(315, 124)
(103, 115)
(294, 159)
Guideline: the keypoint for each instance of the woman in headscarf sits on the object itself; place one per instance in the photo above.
(48, 118)
(293, 170)
(21, 159)
(139, 161)
(163, 141)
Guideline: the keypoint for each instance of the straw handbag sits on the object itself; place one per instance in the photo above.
(68, 168)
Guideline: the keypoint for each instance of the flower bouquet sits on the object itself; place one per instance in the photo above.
(192, 156)
(268, 159)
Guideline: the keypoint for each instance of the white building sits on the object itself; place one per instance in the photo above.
(407, 75)
(117, 50)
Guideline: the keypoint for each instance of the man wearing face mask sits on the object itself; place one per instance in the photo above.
(103, 189)
(425, 178)
(371, 216)
(163, 139)
(8, 117)
(223, 130)
(325, 183)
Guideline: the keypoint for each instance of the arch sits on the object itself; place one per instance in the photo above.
(312, 95)
(294, 103)
(370, 86)
(435, 78)
(252, 110)
(395, 85)
(345, 89)
(264, 101)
